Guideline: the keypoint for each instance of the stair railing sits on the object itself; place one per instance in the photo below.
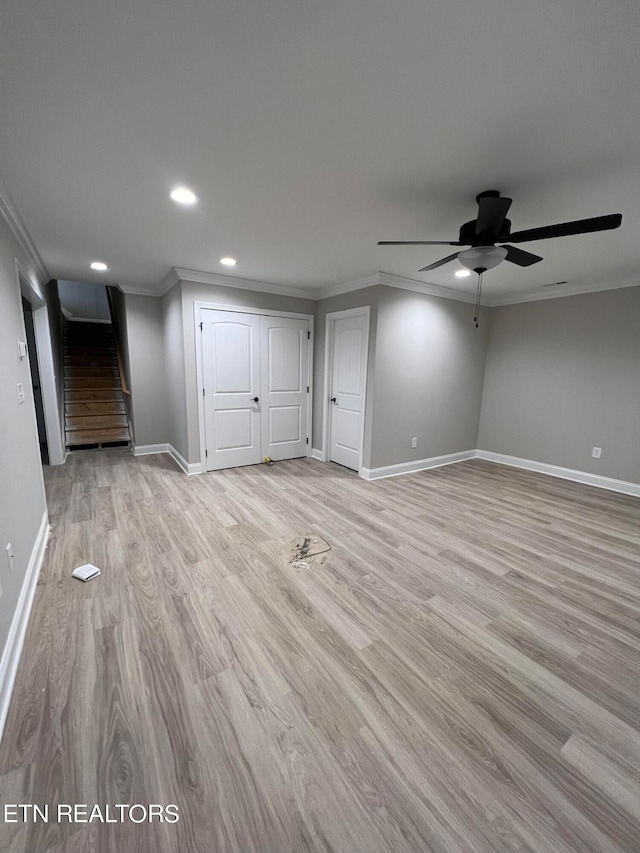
(117, 340)
(117, 337)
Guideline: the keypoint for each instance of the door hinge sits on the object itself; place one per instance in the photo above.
(200, 326)
(203, 392)
(206, 452)
(308, 336)
(307, 439)
(307, 389)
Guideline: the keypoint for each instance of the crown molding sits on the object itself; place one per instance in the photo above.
(9, 213)
(198, 277)
(178, 274)
(346, 286)
(170, 280)
(136, 291)
(165, 285)
(558, 291)
(399, 281)
(389, 280)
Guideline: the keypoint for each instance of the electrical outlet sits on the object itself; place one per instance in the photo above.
(596, 453)
(10, 556)
(414, 442)
(20, 388)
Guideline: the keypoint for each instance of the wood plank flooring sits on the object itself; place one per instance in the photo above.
(460, 674)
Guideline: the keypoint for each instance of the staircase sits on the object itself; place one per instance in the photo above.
(94, 405)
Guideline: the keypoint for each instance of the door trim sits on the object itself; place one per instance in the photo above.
(330, 319)
(53, 409)
(243, 309)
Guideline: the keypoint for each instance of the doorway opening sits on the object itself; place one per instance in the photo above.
(36, 383)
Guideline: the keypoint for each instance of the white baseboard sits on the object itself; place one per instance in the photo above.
(187, 467)
(417, 465)
(148, 449)
(317, 454)
(564, 473)
(15, 639)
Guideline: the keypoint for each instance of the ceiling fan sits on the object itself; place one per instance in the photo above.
(492, 226)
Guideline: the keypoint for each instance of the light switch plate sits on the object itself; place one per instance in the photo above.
(20, 388)
(22, 349)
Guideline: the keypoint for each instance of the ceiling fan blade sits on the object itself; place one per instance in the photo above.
(492, 211)
(440, 263)
(564, 229)
(520, 257)
(420, 243)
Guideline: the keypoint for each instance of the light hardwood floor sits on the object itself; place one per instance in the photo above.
(461, 674)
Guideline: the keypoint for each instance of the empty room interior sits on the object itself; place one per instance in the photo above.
(320, 427)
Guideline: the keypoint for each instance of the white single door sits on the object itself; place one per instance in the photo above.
(347, 389)
(231, 375)
(284, 351)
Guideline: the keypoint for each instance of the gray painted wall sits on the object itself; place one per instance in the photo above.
(147, 374)
(563, 376)
(195, 292)
(357, 298)
(174, 356)
(22, 497)
(429, 365)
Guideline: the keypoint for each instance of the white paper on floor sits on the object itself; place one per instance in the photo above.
(86, 572)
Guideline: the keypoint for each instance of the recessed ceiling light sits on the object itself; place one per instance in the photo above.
(228, 262)
(99, 265)
(183, 195)
(462, 273)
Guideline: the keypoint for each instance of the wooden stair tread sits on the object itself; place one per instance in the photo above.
(88, 329)
(88, 334)
(88, 343)
(77, 395)
(84, 422)
(98, 407)
(79, 372)
(90, 349)
(90, 361)
(73, 383)
(96, 436)
(99, 341)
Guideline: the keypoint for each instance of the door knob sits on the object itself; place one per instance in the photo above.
(334, 400)
(256, 399)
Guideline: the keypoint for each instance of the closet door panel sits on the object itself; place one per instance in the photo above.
(231, 375)
(284, 367)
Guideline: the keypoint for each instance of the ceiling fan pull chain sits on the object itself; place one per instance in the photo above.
(478, 295)
(476, 319)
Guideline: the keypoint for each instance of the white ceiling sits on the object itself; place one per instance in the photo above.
(311, 130)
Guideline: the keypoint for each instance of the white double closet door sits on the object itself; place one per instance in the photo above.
(255, 383)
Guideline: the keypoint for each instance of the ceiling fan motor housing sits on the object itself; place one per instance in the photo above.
(469, 236)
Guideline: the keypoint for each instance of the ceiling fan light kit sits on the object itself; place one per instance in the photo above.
(492, 226)
(482, 257)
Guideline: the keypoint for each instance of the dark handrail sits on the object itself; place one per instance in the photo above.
(116, 328)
